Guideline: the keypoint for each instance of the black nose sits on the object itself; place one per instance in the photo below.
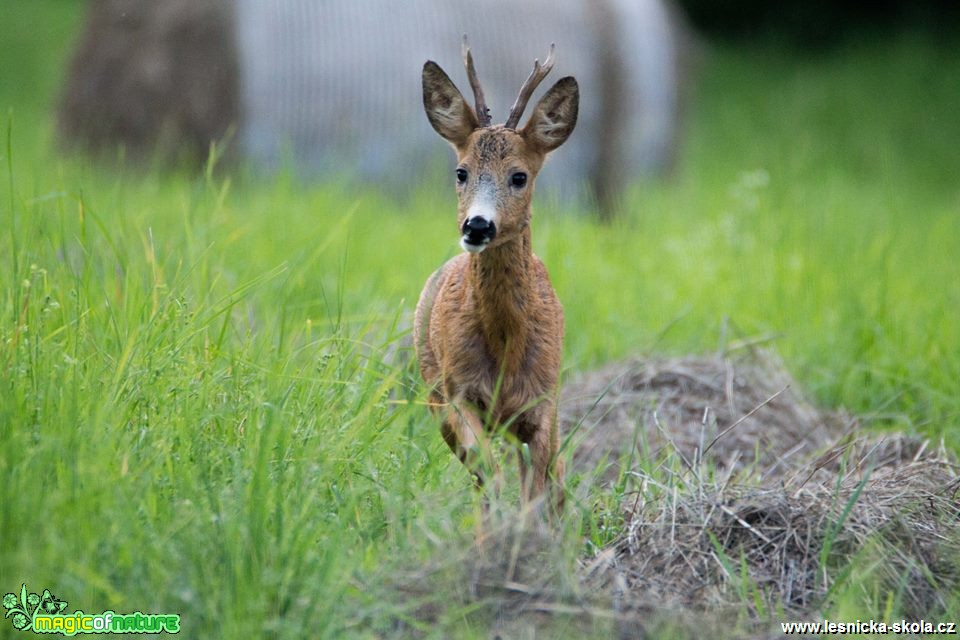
(477, 230)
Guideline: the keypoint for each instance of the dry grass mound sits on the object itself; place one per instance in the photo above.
(884, 526)
(733, 412)
(741, 505)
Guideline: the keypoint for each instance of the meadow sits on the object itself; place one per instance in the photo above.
(205, 406)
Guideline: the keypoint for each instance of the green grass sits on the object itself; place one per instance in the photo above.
(201, 409)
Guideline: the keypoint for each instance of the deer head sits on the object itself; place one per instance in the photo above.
(497, 165)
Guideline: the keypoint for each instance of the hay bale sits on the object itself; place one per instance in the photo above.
(157, 78)
(342, 104)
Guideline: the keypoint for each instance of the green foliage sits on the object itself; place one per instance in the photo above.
(205, 405)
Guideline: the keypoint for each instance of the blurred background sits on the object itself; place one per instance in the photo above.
(332, 88)
(216, 218)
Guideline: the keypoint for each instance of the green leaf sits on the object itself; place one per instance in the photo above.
(23, 596)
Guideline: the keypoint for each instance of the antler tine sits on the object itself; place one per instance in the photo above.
(483, 113)
(529, 86)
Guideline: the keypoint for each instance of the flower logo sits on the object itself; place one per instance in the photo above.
(20, 621)
(23, 608)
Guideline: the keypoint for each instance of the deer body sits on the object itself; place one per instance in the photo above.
(494, 330)
(489, 327)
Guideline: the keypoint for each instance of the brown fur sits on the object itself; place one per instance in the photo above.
(489, 326)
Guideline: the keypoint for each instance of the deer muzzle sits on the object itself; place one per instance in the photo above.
(478, 232)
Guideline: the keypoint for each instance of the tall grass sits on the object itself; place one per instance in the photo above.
(205, 406)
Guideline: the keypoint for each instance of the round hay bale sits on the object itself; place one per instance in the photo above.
(342, 103)
(156, 78)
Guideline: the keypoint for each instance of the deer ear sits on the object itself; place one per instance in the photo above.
(447, 111)
(554, 117)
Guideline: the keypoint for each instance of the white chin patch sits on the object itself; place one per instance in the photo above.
(473, 248)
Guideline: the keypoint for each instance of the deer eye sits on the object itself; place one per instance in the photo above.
(519, 179)
(461, 176)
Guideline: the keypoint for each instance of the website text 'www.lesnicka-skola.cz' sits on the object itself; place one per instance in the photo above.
(866, 627)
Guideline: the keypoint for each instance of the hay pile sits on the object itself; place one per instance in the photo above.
(682, 405)
(723, 531)
(792, 541)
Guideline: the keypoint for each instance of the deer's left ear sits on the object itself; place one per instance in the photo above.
(554, 117)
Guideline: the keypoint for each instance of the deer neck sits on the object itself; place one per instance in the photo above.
(503, 282)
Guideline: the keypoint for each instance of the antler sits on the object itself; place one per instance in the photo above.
(536, 77)
(483, 113)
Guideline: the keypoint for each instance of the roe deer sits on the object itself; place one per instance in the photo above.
(488, 329)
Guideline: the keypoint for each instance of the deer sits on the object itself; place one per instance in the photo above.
(488, 326)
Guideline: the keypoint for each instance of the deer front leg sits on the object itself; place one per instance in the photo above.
(547, 468)
(463, 432)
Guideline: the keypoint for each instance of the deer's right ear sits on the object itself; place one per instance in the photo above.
(447, 111)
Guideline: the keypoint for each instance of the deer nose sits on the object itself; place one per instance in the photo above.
(478, 231)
